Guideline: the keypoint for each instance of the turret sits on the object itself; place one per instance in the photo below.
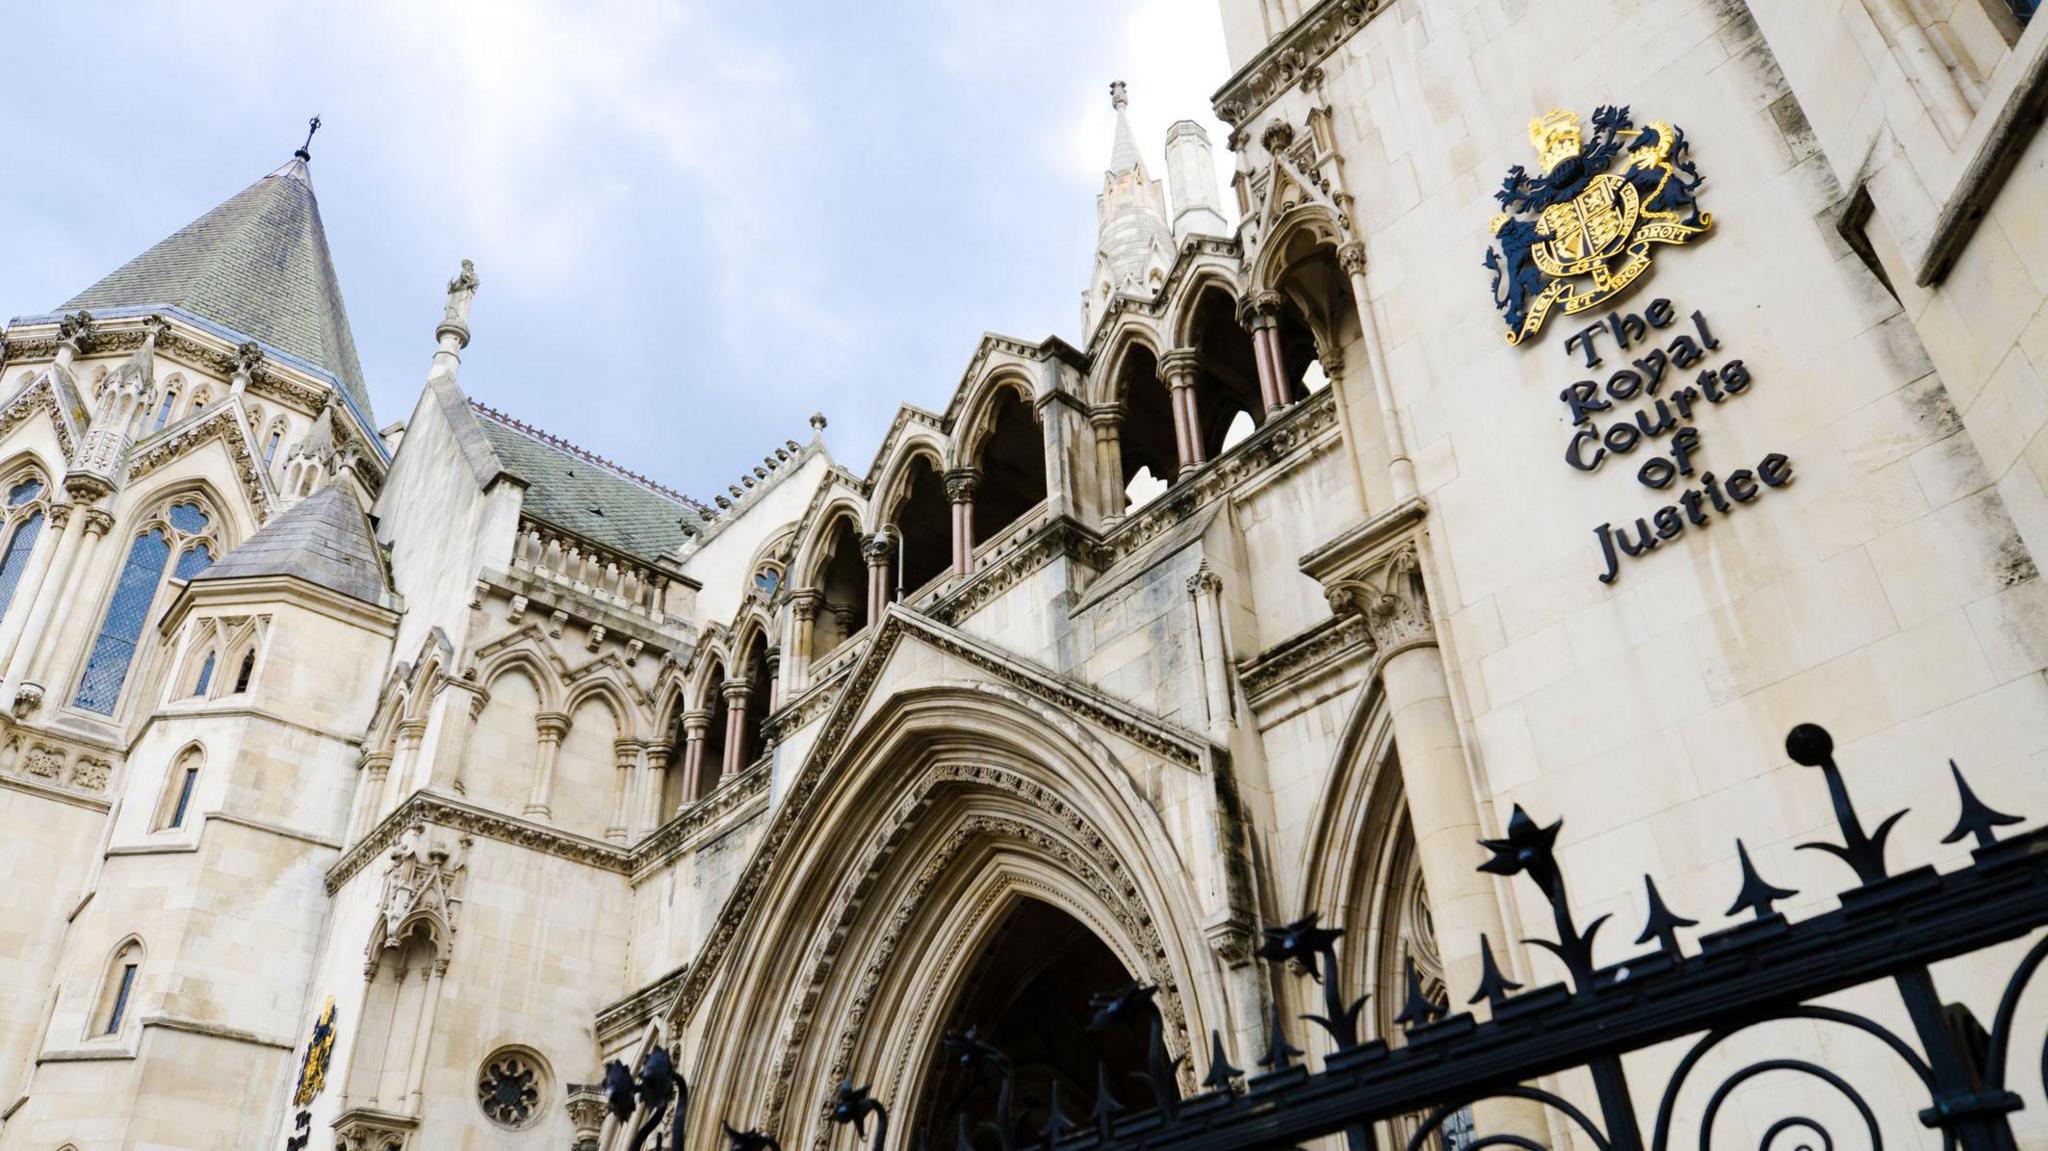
(1134, 244)
(1191, 174)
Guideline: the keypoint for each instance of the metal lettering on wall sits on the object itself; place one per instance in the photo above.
(1588, 240)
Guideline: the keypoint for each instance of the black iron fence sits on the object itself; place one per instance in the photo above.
(1889, 928)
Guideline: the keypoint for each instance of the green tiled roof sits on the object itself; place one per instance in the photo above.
(592, 497)
(257, 264)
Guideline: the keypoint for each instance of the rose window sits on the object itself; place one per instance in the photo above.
(509, 1088)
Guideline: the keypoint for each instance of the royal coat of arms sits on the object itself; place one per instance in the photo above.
(319, 1049)
(1578, 235)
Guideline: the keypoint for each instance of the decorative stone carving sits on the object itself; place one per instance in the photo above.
(1292, 58)
(511, 1088)
(878, 548)
(362, 1129)
(422, 880)
(44, 762)
(1391, 597)
(586, 1108)
(90, 774)
(961, 484)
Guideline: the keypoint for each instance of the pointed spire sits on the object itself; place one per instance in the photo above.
(258, 265)
(1123, 154)
(305, 152)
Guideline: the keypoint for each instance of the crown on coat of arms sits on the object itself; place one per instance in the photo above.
(1555, 137)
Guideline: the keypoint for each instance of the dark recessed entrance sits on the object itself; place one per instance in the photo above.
(1028, 994)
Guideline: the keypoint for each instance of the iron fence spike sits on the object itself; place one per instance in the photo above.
(1977, 818)
(1493, 986)
(1757, 896)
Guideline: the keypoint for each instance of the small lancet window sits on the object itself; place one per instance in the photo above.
(188, 779)
(243, 673)
(119, 991)
(205, 676)
(163, 411)
(270, 445)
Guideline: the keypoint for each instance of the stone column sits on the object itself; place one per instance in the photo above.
(696, 722)
(1400, 469)
(1108, 422)
(52, 564)
(416, 1067)
(737, 692)
(803, 615)
(462, 704)
(410, 733)
(369, 794)
(1178, 369)
(549, 728)
(31, 584)
(44, 656)
(960, 486)
(655, 756)
(1207, 590)
(878, 549)
(1263, 318)
(625, 757)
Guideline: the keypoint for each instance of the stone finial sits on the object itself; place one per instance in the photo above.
(818, 422)
(453, 332)
(1119, 96)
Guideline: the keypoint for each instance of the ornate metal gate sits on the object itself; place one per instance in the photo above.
(1888, 928)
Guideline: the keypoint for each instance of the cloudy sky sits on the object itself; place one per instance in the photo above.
(696, 221)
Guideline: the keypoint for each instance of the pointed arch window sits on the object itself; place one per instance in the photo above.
(25, 528)
(163, 410)
(205, 676)
(179, 785)
(117, 994)
(185, 529)
(245, 672)
(271, 440)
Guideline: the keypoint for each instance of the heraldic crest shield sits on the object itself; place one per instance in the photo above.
(1580, 233)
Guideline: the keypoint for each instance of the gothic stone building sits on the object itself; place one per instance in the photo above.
(369, 788)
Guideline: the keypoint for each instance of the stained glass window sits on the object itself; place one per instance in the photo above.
(23, 492)
(19, 547)
(188, 518)
(205, 676)
(196, 559)
(106, 669)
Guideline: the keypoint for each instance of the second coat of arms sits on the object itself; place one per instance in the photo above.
(1580, 233)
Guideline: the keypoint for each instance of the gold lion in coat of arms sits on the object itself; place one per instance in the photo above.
(1580, 233)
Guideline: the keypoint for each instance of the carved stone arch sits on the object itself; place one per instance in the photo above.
(975, 415)
(1358, 859)
(608, 691)
(1128, 332)
(713, 667)
(1186, 302)
(891, 487)
(1269, 265)
(26, 463)
(811, 555)
(753, 624)
(231, 521)
(1301, 262)
(542, 671)
(963, 763)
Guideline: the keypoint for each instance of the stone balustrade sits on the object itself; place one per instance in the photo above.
(587, 569)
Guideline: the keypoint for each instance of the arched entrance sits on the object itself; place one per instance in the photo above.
(1027, 995)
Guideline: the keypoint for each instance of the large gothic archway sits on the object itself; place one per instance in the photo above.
(884, 899)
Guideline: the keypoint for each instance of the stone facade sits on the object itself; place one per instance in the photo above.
(1273, 594)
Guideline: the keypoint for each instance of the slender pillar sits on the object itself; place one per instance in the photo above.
(737, 692)
(1108, 422)
(1207, 590)
(1400, 469)
(960, 485)
(403, 763)
(1263, 318)
(54, 562)
(462, 704)
(803, 614)
(696, 722)
(549, 728)
(416, 1067)
(42, 657)
(655, 777)
(625, 758)
(12, 628)
(1178, 368)
(369, 794)
(878, 549)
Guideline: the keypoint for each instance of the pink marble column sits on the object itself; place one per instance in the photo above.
(960, 485)
(1178, 368)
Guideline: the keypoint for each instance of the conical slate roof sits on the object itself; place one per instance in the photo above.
(324, 540)
(257, 264)
(1123, 153)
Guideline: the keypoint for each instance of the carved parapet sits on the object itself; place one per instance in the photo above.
(1293, 57)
